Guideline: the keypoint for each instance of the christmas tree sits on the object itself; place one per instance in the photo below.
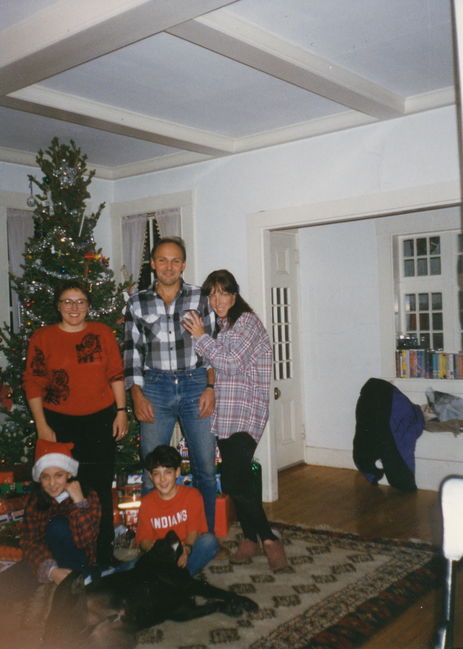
(61, 248)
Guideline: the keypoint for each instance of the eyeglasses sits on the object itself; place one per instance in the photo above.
(80, 303)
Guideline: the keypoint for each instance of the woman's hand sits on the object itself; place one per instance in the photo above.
(45, 432)
(193, 323)
(75, 491)
(120, 425)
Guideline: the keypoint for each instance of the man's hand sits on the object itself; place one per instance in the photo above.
(146, 545)
(142, 406)
(206, 403)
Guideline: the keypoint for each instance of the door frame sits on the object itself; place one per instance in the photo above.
(261, 223)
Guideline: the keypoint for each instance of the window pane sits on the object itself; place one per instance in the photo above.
(421, 246)
(411, 322)
(437, 322)
(408, 248)
(410, 302)
(422, 266)
(434, 245)
(423, 301)
(435, 266)
(438, 341)
(425, 341)
(460, 264)
(409, 268)
(436, 299)
(460, 243)
(424, 321)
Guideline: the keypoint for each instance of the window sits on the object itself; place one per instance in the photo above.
(281, 328)
(146, 277)
(430, 304)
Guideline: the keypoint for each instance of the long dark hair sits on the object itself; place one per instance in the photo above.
(226, 281)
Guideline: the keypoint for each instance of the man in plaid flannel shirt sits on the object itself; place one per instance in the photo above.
(167, 379)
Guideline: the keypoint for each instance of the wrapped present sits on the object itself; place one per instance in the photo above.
(9, 542)
(225, 514)
(10, 553)
(134, 478)
(10, 504)
(186, 480)
(7, 488)
(15, 473)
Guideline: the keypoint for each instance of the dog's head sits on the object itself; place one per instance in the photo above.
(165, 551)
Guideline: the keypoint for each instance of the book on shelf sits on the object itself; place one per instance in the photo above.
(427, 364)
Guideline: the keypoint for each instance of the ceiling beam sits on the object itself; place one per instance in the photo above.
(69, 33)
(257, 48)
(59, 105)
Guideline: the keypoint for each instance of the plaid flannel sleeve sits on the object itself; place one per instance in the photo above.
(33, 537)
(133, 349)
(84, 521)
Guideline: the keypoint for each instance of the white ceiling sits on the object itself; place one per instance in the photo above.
(142, 85)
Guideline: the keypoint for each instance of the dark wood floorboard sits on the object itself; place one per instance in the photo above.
(343, 500)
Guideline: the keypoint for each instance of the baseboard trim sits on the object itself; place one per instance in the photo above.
(429, 472)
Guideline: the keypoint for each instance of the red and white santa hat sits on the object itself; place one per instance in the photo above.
(48, 454)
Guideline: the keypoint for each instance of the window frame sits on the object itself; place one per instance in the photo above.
(445, 283)
(387, 229)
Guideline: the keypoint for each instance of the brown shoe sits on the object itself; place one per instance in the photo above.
(275, 554)
(246, 550)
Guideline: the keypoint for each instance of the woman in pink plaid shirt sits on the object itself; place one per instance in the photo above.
(241, 355)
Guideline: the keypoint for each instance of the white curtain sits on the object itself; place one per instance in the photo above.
(169, 222)
(20, 227)
(133, 236)
(133, 239)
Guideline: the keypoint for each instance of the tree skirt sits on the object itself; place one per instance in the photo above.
(338, 590)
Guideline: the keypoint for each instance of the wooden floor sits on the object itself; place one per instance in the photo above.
(344, 500)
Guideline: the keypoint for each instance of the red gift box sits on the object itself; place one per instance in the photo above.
(12, 503)
(6, 477)
(225, 514)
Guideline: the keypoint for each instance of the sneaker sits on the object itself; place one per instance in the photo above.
(275, 553)
(246, 550)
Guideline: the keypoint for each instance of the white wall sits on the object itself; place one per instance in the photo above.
(340, 312)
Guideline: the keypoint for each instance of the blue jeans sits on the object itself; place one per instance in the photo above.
(175, 395)
(62, 545)
(204, 550)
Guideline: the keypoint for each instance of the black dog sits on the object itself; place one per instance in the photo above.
(109, 611)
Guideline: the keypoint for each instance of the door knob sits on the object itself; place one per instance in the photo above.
(276, 393)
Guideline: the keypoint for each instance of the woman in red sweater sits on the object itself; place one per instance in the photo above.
(74, 384)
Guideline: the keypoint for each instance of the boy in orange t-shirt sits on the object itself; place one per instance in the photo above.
(171, 506)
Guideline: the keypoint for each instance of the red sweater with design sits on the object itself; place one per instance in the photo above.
(73, 371)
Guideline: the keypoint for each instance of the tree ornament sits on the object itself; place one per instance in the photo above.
(30, 199)
(67, 175)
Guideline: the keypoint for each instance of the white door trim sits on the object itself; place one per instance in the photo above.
(358, 207)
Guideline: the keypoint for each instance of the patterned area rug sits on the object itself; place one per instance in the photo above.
(338, 590)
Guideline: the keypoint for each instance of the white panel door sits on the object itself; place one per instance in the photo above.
(286, 411)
